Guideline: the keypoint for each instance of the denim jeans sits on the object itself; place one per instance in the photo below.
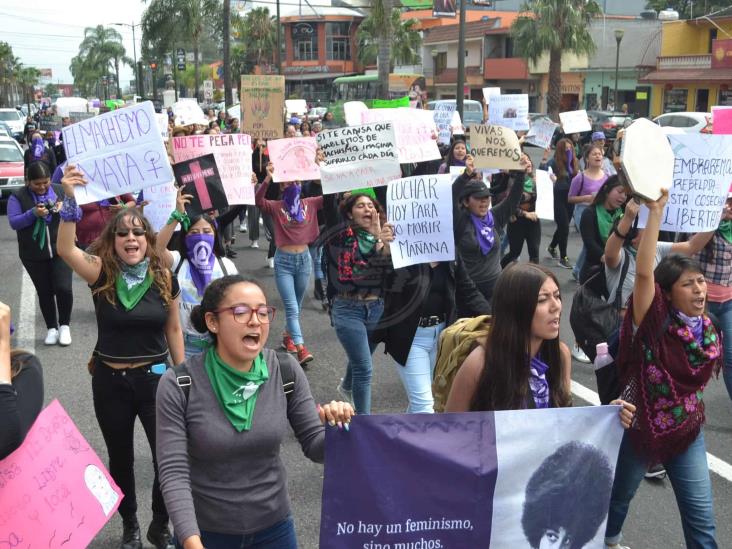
(689, 474)
(195, 345)
(578, 209)
(353, 320)
(723, 312)
(417, 373)
(280, 535)
(316, 255)
(292, 275)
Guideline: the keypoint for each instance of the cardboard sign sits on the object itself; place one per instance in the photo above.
(262, 105)
(54, 490)
(353, 110)
(420, 208)
(200, 178)
(541, 133)
(294, 159)
(390, 103)
(490, 92)
(575, 122)
(495, 147)
(722, 120)
(544, 195)
(647, 158)
(358, 156)
(161, 202)
(414, 129)
(443, 115)
(233, 154)
(118, 152)
(510, 111)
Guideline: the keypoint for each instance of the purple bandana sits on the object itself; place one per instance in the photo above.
(456, 162)
(38, 148)
(45, 198)
(694, 323)
(199, 250)
(484, 231)
(538, 384)
(293, 204)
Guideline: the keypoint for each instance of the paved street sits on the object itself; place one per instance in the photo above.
(653, 522)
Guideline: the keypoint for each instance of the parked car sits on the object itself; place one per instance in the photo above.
(11, 167)
(472, 110)
(5, 130)
(609, 122)
(686, 122)
(15, 120)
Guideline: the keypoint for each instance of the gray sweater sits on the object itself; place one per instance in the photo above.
(217, 479)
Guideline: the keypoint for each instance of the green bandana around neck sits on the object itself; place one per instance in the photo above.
(39, 232)
(725, 229)
(236, 391)
(128, 296)
(605, 220)
(528, 185)
(366, 241)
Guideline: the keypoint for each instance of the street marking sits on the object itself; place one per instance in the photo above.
(716, 465)
(26, 325)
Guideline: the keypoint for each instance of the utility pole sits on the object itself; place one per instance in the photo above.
(461, 62)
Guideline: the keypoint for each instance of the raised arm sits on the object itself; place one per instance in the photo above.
(502, 212)
(617, 237)
(259, 198)
(694, 245)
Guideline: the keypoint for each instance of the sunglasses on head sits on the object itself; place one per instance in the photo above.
(137, 231)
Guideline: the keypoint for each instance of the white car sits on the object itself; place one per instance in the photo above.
(15, 121)
(685, 122)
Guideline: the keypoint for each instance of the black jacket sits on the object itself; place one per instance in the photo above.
(28, 249)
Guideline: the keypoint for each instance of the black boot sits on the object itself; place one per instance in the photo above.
(131, 538)
(318, 293)
(159, 535)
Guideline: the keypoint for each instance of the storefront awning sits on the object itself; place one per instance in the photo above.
(688, 75)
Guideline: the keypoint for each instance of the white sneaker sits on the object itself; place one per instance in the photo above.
(579, 355)
(64, 336)
(242, 228)
(51, 337)
(254, 244)
(270, 262)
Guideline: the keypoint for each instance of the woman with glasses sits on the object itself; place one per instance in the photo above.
(221, 425)
(136, 304)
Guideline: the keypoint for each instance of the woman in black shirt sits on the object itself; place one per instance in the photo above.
(136, 304)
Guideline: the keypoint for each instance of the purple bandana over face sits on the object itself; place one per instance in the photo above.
(293, 204)
(38, 148)
(484, 231)
(694, 323)
(199, 250)
(538, 384)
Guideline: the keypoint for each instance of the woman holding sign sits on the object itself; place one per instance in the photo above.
(136, 305)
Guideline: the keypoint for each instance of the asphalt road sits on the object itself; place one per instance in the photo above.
(653, 522)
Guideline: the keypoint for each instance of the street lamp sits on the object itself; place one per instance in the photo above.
(138, 73)
(618, 38)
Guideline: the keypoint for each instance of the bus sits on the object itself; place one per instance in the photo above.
(366, 88)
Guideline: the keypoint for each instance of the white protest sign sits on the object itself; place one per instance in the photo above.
(161, 202)
(358, 157)
(490, 92)
(544, 195)
(420, 209)
(647, 158)
(495, 147)
(233, 155)
(443, 117)
(574, 122)
(119, 151)
(413, 129)
(353, 111)
(162, 120)
(296, 106)
(541, 133)
(187, 111)
(509, 111)
(456, 125)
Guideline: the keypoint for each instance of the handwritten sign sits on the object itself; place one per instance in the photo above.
(358, 156)
(202, 181)
(352, 111)
(262, 105)
(413, 128)
(294, 159)
(544, 195)
(722, 120)
(118, 152)
(509, 111)
(495, 147)
(443, 115)
(161, 202)
(490, 92)
(574, 121)
(541, 132)
(233, 153)
(54, 490)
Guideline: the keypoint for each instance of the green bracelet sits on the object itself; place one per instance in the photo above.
(182, 218)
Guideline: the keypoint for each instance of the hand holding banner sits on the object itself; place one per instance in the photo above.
(495, 147)
(294, 159)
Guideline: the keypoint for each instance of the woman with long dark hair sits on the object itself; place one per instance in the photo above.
(455, 156)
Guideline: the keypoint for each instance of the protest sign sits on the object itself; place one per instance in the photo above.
(390, 103)
(647, 158)
(49, 123)
(187, 111)
(79, 116)
(358, 156)
(161, 201)
(510, 111)
(233, 154)
(470, 479)
(722, 120)
(574, 122)
(294, 159)
(262, 105)
(296, 106)
(352, 111)
(420, 209)
(54, 490)
(494, 147)
(118, 152)
(443, 115)
(413, 129)
(541, 133)
(544, 195)
(200, 178)
(490, 92)
(162, 120)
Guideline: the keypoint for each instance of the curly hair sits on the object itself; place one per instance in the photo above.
(571, 490)
(103, 247)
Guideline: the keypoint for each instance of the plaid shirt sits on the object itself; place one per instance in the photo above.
(716, 261)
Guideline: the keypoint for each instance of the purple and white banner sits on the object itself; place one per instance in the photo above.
(514, 479)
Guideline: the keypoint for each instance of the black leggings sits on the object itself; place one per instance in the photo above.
(562, 215)
(52, 279)
(269, 234)
(519, 231)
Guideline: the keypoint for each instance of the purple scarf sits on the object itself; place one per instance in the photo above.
(456, 162)
(201, 257)
(694, 323)
(48, 196)
(570, 166)
(38, 148)
(484, 231)
(538, 384)
(293, 204)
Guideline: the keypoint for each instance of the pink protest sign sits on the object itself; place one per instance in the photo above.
(721, 120)
(233, 155)
(294, 159)
(54, 490)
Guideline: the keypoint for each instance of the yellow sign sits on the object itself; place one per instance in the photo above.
(641, 96)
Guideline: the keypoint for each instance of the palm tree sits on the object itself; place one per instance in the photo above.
(8, 71)
(405, 42)
(380, 10)
(557, 27)
(99, 52)
(257, 31)
(28, 78)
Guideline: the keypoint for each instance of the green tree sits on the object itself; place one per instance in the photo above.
(380, 13)
(226, 38)
(556, 27)
(9, 66)
(51, 89)
(27, 78)
(405, 43)
(100, 52)
(685, 7)
(257, 35)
